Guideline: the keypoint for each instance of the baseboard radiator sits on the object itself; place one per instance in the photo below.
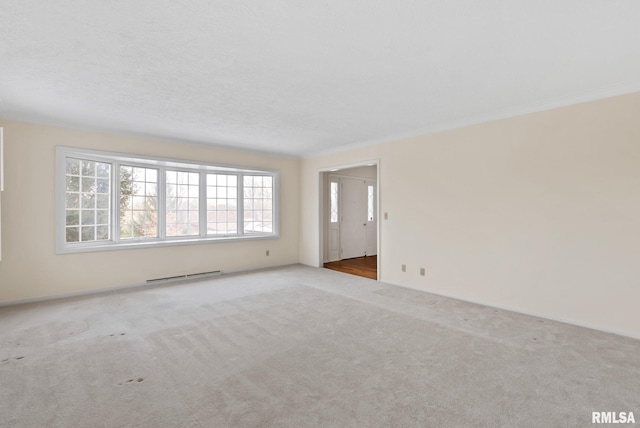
(183, 277)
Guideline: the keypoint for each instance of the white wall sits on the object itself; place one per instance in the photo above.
(538, 213)
(31, 269)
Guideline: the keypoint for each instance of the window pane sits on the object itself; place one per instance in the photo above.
(138, 204)
(152, 202)
(73, 200)
(73, 184)
(88, 200)
(73, 217)
(152, 175)
(88, 233)
(125, 231)
(138, 174)
(258, 205)
(102, 232)
(102, 217)
(103, 170)
(72, 234)
(73, 166)
(102, 186)
(221, 210)
(88, 217)
(102, 201)
(88, 185)
(182, 203)
(334, 202)
(84, 180)
(88, 168)
(370, 209)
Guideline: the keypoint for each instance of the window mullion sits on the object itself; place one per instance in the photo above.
(240, 204)
(115, 209)
(202, 204)
(162, 203)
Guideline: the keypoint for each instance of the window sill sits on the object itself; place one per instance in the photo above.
(133, 245)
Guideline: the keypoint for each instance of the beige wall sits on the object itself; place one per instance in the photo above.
(31, 269)
(370, 172)
(538, 213)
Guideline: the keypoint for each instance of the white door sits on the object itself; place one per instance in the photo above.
(353, 218)
(371, 239)
(333, 227)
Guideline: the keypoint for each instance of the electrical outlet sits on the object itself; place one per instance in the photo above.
(404, 268)
(267, 253)
(421, 271)
(386, 216)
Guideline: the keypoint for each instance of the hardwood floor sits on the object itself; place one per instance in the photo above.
(361, 266)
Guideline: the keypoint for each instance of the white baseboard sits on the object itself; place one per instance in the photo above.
(72, 294)
(125, 287)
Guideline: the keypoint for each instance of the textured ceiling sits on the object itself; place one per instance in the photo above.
(300, 78)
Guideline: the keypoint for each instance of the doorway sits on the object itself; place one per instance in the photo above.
(349, 220)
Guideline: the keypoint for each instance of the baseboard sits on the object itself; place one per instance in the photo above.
(241, 271)
(126, 287)
(72, 294)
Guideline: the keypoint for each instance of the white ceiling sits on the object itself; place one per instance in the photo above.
(301, 77)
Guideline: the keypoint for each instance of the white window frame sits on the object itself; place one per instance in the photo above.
(162, 164)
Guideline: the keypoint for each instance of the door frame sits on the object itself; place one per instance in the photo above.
(322, 206)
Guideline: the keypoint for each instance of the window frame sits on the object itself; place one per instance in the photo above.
(162, 165)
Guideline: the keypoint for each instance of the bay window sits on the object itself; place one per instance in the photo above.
(113, 200)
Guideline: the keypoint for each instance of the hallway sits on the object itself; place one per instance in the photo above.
(366, 267)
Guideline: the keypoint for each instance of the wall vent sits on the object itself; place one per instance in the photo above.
(183, 277)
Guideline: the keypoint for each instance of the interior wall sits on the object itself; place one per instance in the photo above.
(538, 213)
(367, 172)
(31, 269)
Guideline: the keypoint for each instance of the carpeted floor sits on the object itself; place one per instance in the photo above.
(302, 347)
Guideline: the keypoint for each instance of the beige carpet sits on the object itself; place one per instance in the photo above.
(298, 347)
